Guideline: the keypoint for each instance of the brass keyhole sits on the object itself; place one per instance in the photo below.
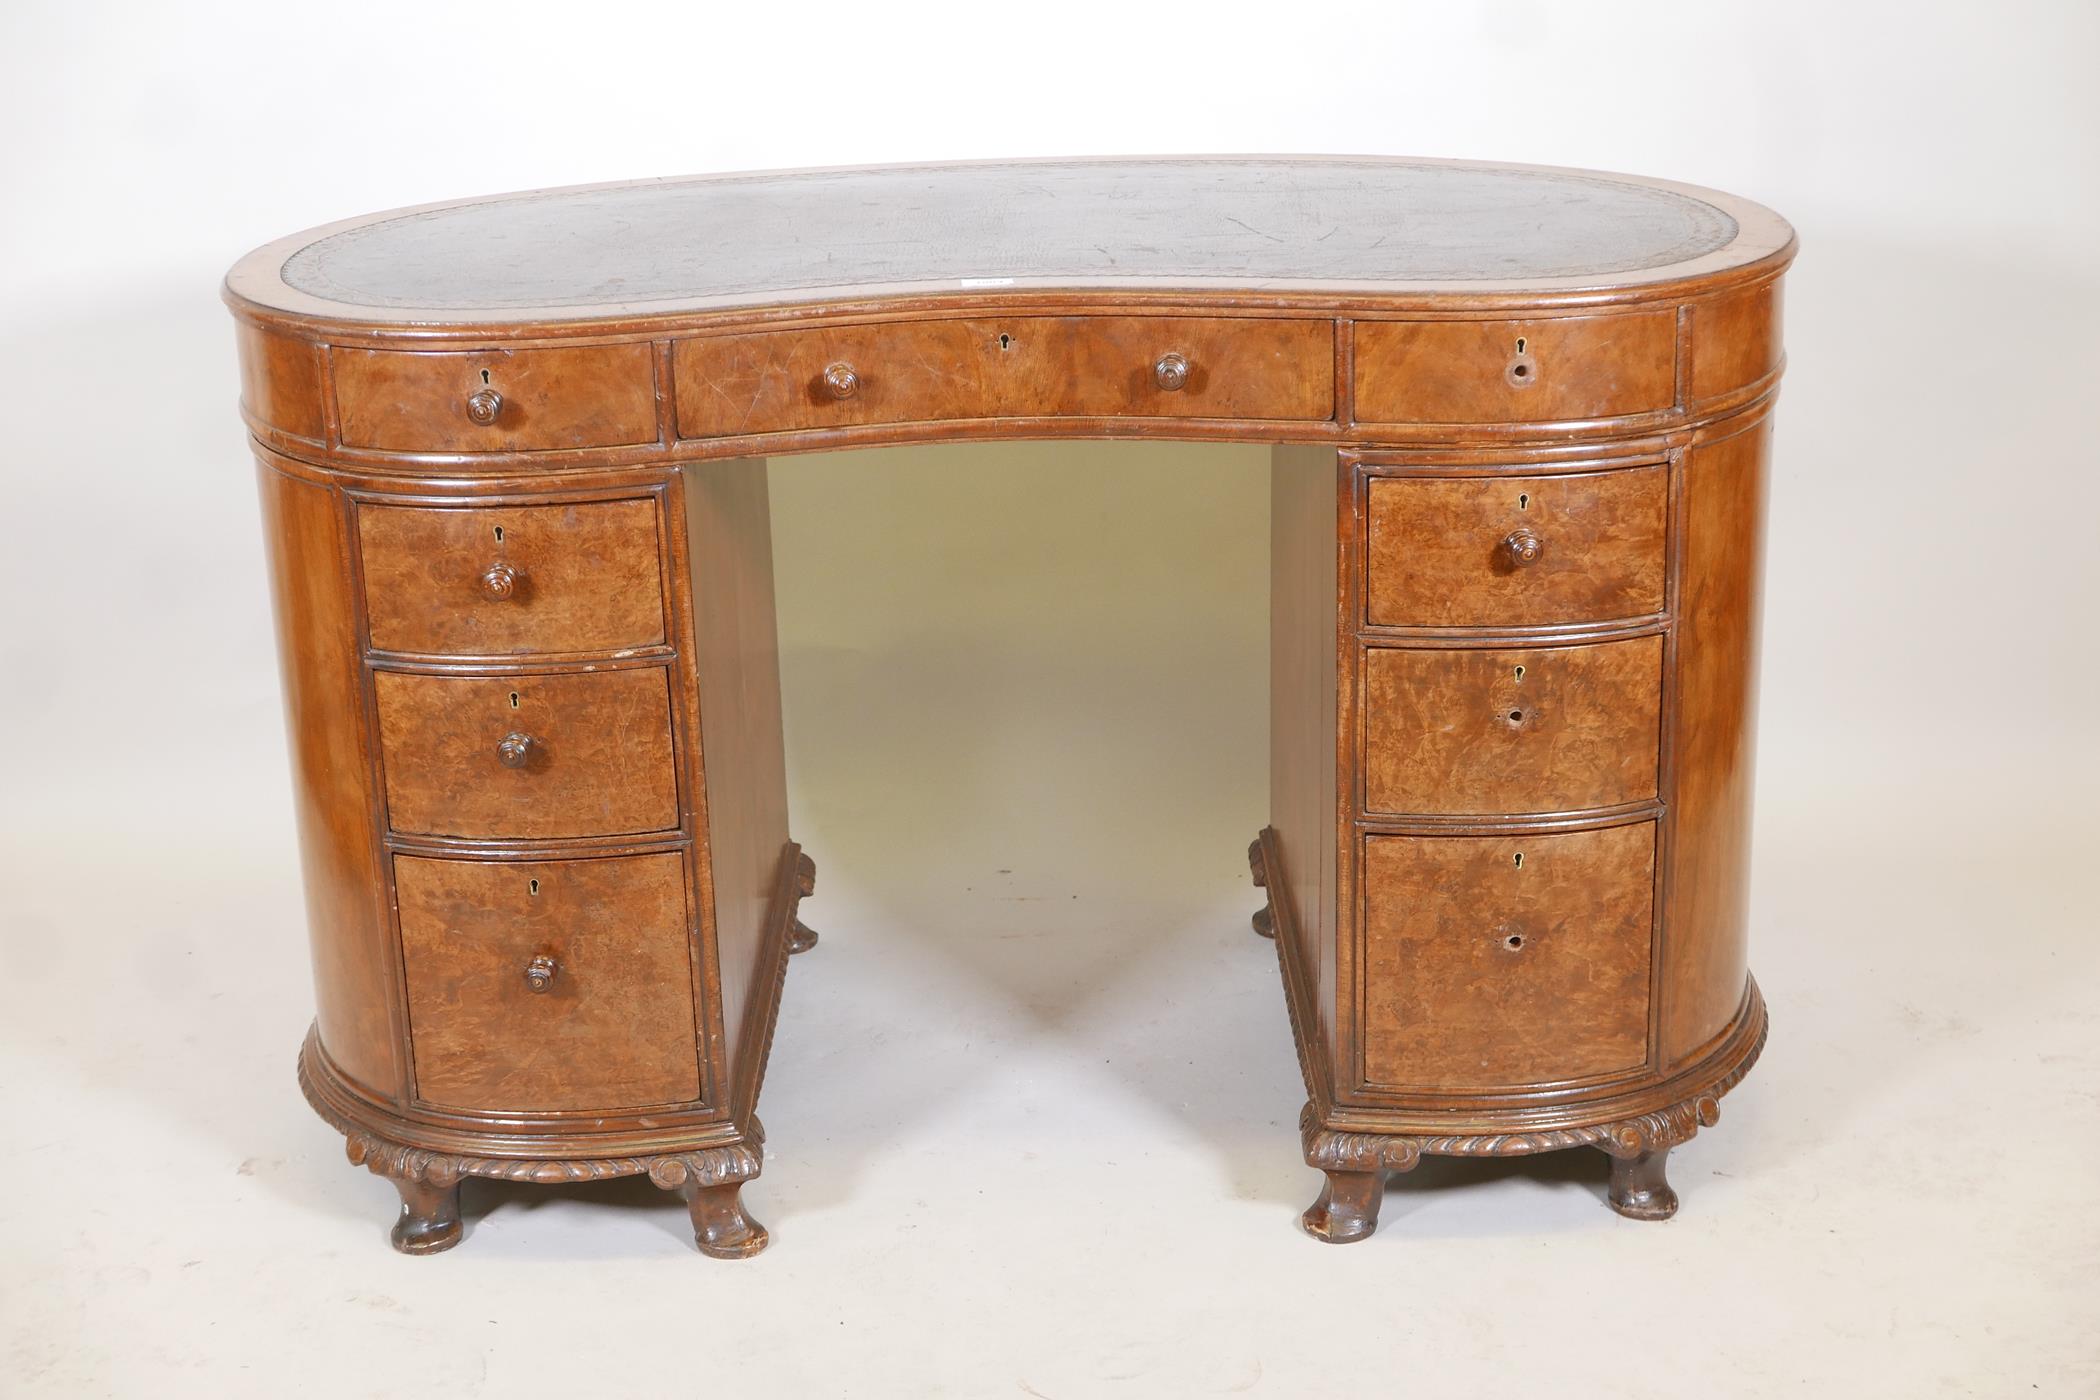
(1006, 342)
(1513, 942)
(1520, 673)
(514, 699)
(535, 886)
(1520, 860)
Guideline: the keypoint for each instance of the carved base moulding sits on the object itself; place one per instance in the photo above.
(708, 1174)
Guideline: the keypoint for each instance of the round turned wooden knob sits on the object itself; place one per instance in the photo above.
(1172, 371)
(484, 405)
(539, 973)
(1524, 547)
(498, 582)
(514, 750)
(840, 379)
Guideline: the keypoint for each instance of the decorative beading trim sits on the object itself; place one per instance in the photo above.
(1332, 1150)
(699, 1166)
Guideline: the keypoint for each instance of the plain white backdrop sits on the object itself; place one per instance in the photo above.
(1077, 1175)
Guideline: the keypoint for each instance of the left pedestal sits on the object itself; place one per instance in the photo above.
(542, 815)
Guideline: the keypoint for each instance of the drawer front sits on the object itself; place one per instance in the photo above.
(1506, 962)
(528, 756)
(496, 400)
(1536, 730)
(508, 580)
(1515, 551)
(1020, 367)
(1554, 369)
(550, 986)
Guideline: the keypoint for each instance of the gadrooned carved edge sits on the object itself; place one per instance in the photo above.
(700, 1166)
(1332, 1150)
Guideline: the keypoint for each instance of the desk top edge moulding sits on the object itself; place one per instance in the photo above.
(511, 453)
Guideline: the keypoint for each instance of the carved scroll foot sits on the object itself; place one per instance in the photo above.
(803, 937)
(1348, 1207)
(1264, 920)
(429, 1222)
(721, 1226)
(1639, 1190)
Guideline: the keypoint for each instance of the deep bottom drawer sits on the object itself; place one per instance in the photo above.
(549, 986)
(1506, 961)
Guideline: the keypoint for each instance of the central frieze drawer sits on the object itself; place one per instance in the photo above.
(1530, 730)
(1016, 367)
(1515, 551)
(528, 756)
(549, 986)
(1497, 962)
(508, 580)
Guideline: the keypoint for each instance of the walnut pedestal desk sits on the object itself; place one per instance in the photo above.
(512, 471)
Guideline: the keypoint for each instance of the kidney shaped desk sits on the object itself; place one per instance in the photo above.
(512, 468)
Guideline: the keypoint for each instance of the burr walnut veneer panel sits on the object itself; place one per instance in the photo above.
(1509, 551)
(510, 580)
(1506, 961)
(1546, 729)
(1515, 371)
(528, 755)
(1019, 367)
(520, 546)
(548, 986)
(496, 400)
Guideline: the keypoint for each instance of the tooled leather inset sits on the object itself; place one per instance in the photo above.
(1274, 220)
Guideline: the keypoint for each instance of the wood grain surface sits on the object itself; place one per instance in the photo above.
(1439, 549)
(1515, 371)
(613, 1026)
(558, 397)
(573, 577)
(599, 762)
(1556, 729)
(1487, 971)
(1015, 367)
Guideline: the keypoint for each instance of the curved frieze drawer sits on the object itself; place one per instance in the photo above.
(548, 986)
(561, 397)
(1015, 367)
(1503, 962)
(1515, 551)
(1530, 730)
(512, 580)
(531, 757)
(1549, 369)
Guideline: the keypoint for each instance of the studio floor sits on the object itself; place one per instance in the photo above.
(1031, 1132)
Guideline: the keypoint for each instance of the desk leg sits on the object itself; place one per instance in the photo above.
(722, 1228)
(429, 1220)
(1348, 1207)
(1639, 1189)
